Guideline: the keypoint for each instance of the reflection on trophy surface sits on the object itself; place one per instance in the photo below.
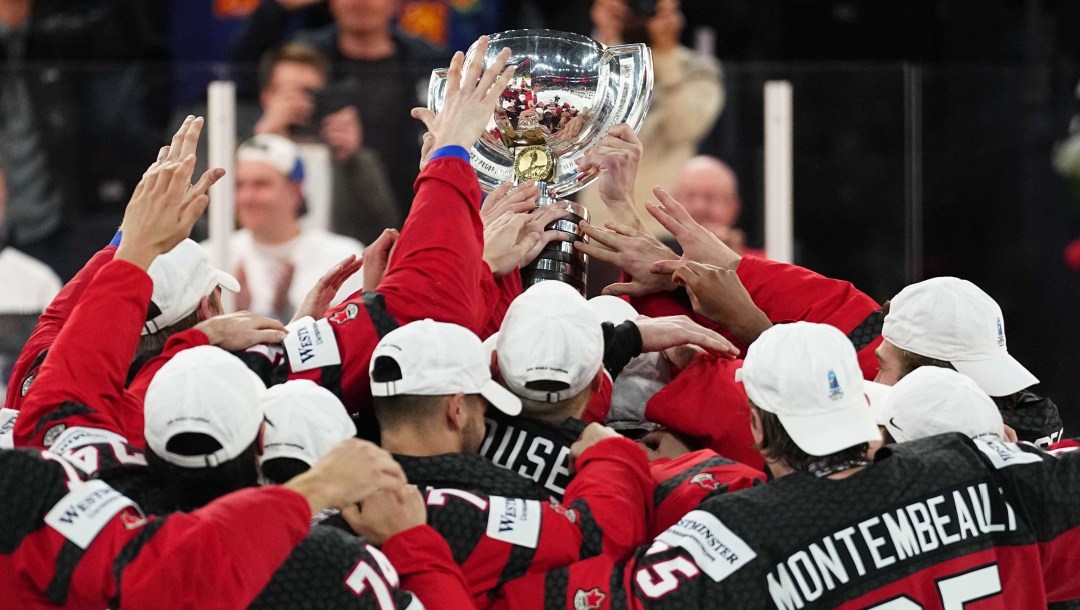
(567, 91)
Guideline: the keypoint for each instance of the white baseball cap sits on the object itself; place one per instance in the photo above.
(434, 359)
(550, 334)
(808, 376)
(278, 152)
(950, 319)
(182, 277)
(304, 421)
(642, 377)
(203, 390)
(933, 400)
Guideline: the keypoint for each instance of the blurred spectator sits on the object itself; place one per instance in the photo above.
(43, 120)
(687, 95)
(389, 71)
(19, 307)
(710, 191)
(298, 105)
(275, 257)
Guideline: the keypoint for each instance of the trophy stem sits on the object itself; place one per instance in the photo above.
(559, 260)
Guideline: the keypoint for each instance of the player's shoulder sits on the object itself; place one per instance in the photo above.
(959, 453)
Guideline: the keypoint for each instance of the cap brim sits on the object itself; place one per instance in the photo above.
(875, 395)
(827, 433)
(227, 281)
(501, 398)
(999, 376)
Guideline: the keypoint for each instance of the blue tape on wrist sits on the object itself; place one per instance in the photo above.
(116, 239)
(450, 151)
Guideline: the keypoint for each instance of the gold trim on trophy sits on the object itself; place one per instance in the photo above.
(534, 163)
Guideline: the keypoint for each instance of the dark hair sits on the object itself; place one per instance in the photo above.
(392, 411)
(279, 470)
(294, 52)
(187, 489)
(777, 445)
(155, 342)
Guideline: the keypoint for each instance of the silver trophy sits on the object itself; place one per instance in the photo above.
(567, 92)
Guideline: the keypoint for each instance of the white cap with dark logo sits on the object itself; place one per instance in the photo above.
(278, 152)
(203, 390)
(304, 421)
(933, 400)
(434, 359)
(808, 375)
(182, 277)
(950, 319)
(550, 334)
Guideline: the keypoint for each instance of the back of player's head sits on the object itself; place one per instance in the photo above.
(951, 320)
(419, 363)
(933, 400)
(807, 376)
(303, 422)
(550, 346)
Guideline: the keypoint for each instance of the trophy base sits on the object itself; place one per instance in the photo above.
(559, 261)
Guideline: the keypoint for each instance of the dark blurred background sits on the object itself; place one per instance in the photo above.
(923, 131)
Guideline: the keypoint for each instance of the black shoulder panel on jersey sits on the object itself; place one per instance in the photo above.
(517, 565)
(375, 304)
(555, 589)
(66, 561)
(458, 523)
(129, 553)
(30, 487)
(470, 473)
(664, 489)
(592, 536)
(868, 330)
(67, 409)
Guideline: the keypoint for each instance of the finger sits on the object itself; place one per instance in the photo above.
(208, 179)
(494, 72)
(622, 229)
(529, 246)
(191, 137)
(472, 72)
(178, 139)
(672, 206)
(631, 289)
(605, 238)
(453, 74)
(495, 196)
(666, 267)
(622, 136)
(664, 217)
(548, 214)
(500, 85)
(190, 214)
(427, 117)
(545, 238)
(264, 323)
(598, 252)
(267, 336)
(181, 179)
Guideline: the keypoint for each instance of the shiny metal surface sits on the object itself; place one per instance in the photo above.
(568, 91)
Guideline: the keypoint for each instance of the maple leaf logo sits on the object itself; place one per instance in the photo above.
(589, 600)
(706, 480)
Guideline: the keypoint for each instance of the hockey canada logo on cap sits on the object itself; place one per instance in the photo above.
(1001, 333)
(834, 387)
(589, 600)
(706, 480)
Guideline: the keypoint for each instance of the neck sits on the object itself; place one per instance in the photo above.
(13, 13)
(366, 45)
(418, 442)
(574, 409)
(277, 234)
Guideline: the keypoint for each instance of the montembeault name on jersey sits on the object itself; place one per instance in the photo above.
(884, 540)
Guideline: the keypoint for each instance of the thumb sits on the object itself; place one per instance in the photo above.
(632, 289)
(424, 115)
(665, 267)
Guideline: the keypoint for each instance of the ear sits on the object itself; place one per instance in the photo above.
(260, 439)
(457, 416)
(755, 425)
(298, 195)
(494, 364)
(204, 309)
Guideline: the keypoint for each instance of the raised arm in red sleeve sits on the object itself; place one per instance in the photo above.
(688, 480)
(49, 325)
(427, 569)
(82, 379)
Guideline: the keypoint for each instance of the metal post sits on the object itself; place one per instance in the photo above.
(221, 141)
(779, 232)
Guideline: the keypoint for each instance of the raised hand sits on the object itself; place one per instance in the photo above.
(507, 198)
(632, 250)
(616, 157)
(658, 334)
(348, 474)
(698, 243)
(318, 299)
(515, 238)
(377, 258)
(470, 98)
(719, 295)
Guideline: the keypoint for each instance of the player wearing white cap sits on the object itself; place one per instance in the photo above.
(951, 323)
(931, 523)
(303, 422)
(432, 384)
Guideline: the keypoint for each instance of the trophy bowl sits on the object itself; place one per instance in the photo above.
(567, 92)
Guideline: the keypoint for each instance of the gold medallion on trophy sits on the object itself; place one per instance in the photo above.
(534, 163)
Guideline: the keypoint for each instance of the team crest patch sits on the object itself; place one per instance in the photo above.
(589, 600)
(706, 480)
(53, 434)
(132, 520)
(344, 315)
(27, 383)
(569, 513)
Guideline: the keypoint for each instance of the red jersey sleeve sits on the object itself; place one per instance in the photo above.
(83, 376)
(426, 567)
(688, 480)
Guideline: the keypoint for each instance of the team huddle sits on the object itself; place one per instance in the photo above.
(729, 432)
